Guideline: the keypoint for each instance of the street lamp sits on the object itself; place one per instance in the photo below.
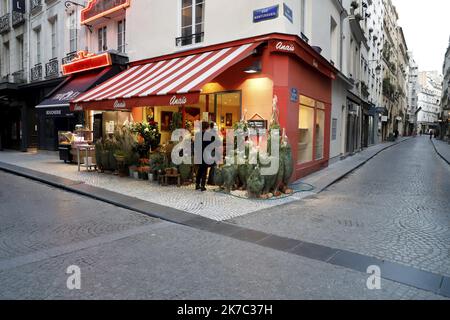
(68, 3)
(378, 68)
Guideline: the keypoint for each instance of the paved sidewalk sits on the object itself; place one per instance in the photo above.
(443, 149)
(172, 201)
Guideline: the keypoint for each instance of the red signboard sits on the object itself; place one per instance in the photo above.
(86, 61)
(291, 47)
(102, 8)
(174, 100)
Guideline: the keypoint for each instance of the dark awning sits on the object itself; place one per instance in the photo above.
(76, 85)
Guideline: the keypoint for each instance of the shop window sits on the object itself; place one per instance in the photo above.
(311, 134)
(320, 133)
(228, 109)
(305, 141)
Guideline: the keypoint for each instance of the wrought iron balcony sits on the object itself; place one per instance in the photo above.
(52, 68)
(35, 5)
(19, 77)
(36, 72)
(191, 39)
(5, 25)
(69, 57)
(4, 78)
(17, 19)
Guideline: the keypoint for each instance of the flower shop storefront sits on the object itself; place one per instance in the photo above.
(227, 84)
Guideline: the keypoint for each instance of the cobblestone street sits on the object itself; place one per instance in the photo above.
(391, 210)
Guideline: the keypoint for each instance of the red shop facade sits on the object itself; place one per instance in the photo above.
(229, 81)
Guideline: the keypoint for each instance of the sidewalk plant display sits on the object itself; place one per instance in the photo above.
(105, 150)
(98, 154)
(149, 137)
(229, 175)
(126, 145)
(157, 163)
(255, 183)
(143, 169)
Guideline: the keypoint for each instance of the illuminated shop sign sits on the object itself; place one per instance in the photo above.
(101, 8)
(86, 61)
(120, 104)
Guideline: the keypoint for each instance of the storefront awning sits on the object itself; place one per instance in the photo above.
(175, 81)
(74, 86)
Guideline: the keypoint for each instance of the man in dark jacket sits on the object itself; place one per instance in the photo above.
(200, 183)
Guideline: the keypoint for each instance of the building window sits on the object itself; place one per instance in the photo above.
(302, 16)
(334, 41)
(192, 21)
(6, 64)
(20, 55)
(334, 124)
(311, 130)
(5, 7)
(73, 32)
(121, 36)
(54, 38)
(102, 45)
(37, 33)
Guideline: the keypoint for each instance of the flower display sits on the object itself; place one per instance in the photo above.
(149, 135)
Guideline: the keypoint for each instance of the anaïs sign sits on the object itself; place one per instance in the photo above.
(86, 61)
(285, 46)
(176, 101)
(102, 8)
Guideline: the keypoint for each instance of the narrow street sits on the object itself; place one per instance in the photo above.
(394, 208)
(389, 209)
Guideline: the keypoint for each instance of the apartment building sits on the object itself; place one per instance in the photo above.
(413, 90)
(429, 100)
(35, 37)
(445, 132)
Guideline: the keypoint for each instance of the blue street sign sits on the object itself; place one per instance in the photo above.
(265, 14)
(288, 13)
(18, 6)
(294, 95)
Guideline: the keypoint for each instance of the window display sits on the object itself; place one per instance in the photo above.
(311, 130)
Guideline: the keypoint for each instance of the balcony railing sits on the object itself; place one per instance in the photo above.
(69, 57)
(4, 78)
(52, 68)
(191, 39)
(17, 19)
(5, 26)
(36, 72)
(35, 5)
(19, 77)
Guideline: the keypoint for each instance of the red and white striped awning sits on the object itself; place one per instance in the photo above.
(175, 81)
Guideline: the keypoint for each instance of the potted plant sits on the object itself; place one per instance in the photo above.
(149, 135)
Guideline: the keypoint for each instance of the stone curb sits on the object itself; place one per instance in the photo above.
(347, 172)
(439, 154)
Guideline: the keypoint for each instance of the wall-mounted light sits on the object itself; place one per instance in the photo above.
(256, 67)
(378, 70)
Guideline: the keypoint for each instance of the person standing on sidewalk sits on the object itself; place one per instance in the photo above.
(431, 134)
(200, 179)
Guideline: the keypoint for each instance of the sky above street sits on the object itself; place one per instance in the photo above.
(426, 25)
